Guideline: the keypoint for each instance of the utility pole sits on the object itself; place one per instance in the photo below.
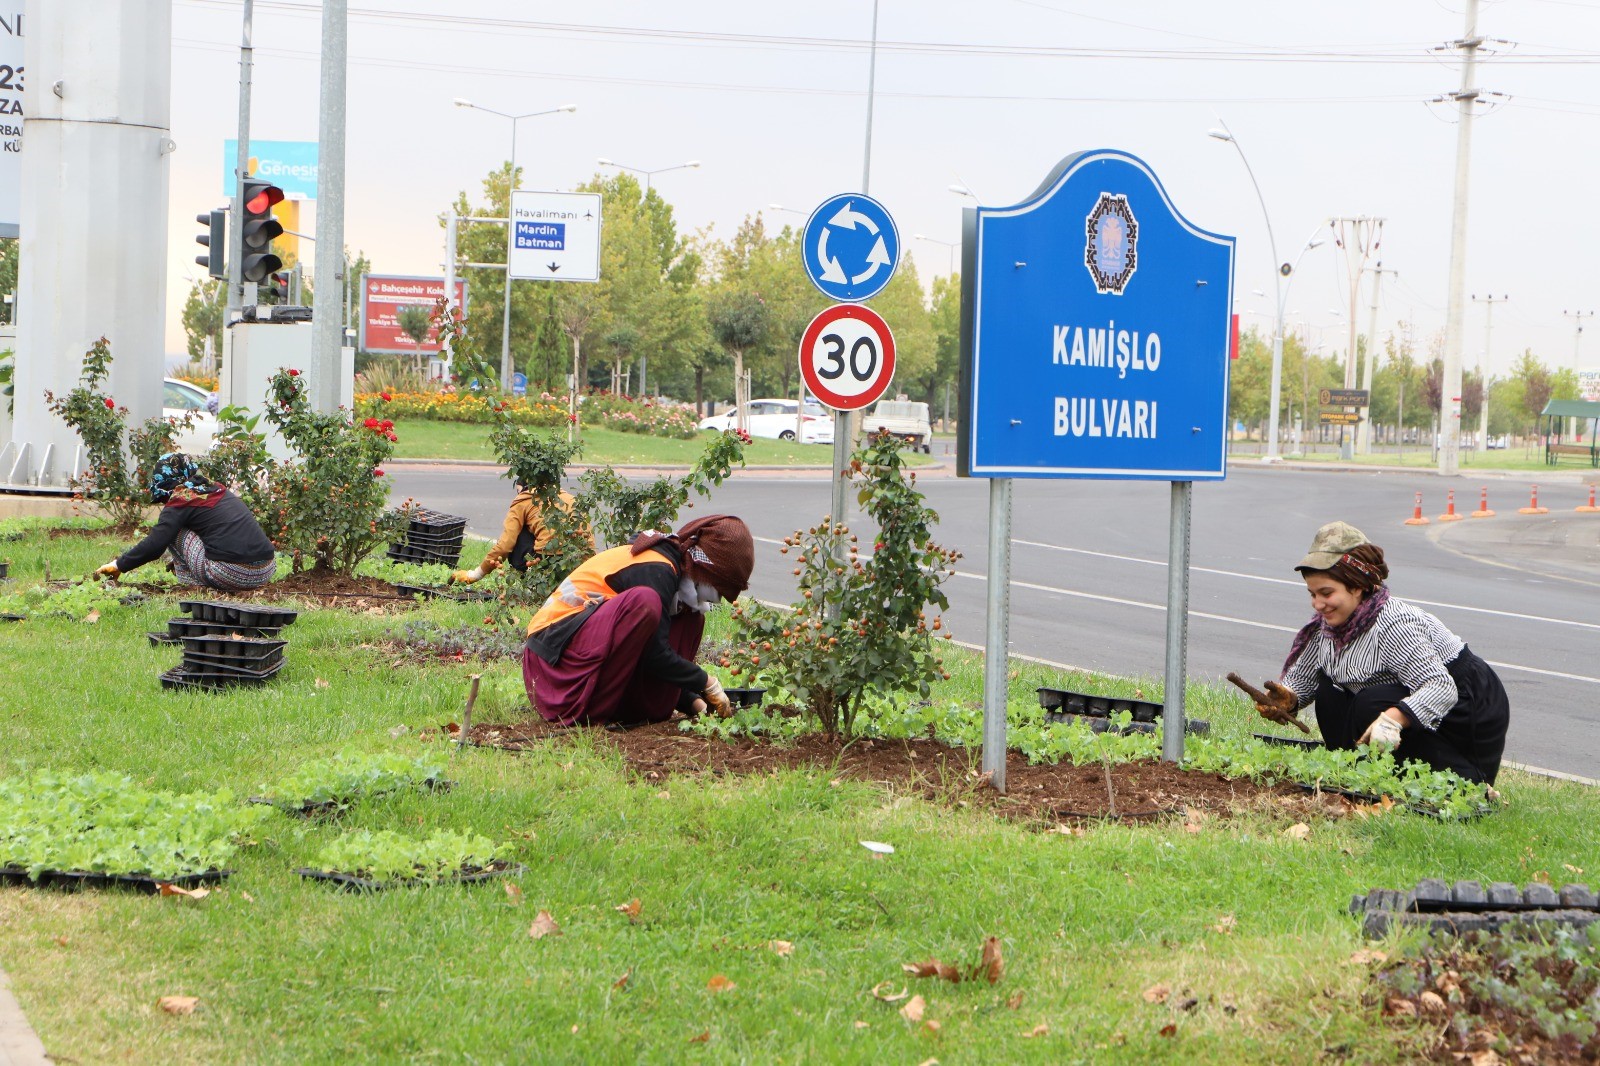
(327, 339)
(1450, 392)
(1483, 372)
(1370, 363)
(236, 283)
(1577, 340)
(1359, 237)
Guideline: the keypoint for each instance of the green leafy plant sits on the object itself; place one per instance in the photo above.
(77, 600)
(8, 372)
(105, 823)
(341, 780)
(394, 571)
(384, 855)
(467, 362)
(427, 640)
(859, 626)
(117, 486)
(328, 504)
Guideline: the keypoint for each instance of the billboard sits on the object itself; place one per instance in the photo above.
(290, 165)
(382, 298)
(11, 62)
(1589, 385)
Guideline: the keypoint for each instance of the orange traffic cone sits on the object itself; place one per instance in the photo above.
(1588, 508)
(1533, 504)
(1416, 518)
(1483, 505)
(1450, 509)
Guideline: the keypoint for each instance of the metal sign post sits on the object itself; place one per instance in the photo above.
(1095, 329)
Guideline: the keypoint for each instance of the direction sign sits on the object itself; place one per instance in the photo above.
(1095, 331)
(851, 247)
(1343, 397)
(554, 236)
(847, 357)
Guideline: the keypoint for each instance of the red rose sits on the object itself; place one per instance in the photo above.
(377, 473)
(111, 405)
(386, 425)
(386, 396)
(294, 373)
(371, 423)
(573, 419)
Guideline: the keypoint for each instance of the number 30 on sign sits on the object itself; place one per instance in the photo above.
(847, 357)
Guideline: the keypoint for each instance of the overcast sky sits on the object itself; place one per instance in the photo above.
(1328, 101)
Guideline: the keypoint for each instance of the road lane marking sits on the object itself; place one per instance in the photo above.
(1297, 584)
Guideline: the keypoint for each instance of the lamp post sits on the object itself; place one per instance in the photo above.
(693, 164)
(505, 317)
(950, 245)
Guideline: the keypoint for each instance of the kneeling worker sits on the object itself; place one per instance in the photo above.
(523, 539)
(616, 641)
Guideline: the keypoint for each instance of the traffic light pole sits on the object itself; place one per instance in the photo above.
(327, 374)
(237, 297)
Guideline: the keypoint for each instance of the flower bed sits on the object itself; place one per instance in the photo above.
(627, 414)
(452, 406)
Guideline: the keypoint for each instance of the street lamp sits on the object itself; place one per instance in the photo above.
(951, 245)
(962, 190)
(790, 210)
(693, 164)
(1279, 272)
(505, 318)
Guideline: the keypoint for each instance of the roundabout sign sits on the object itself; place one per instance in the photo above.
(847, 357)
(851, 247)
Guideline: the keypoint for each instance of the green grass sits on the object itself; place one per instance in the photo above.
(422, 439)
(292, 972)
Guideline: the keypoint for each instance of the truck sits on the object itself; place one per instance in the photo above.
(906, 419)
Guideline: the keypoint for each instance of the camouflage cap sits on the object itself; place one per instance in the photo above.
(1330, 544)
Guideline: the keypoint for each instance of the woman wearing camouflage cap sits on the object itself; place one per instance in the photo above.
(1384, 672)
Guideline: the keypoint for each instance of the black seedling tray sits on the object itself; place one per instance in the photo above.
(214, 677)
(5, 567)
(238, 650)
(1068, 702)
(158, 639)
(338, 806)
(353, 883)
(745, 697)
(1288, 742)
(424, 520)
(435, 540)
(1437, 906)
(237, 614)
(183, 627)
(402, 554)
(223, 664)
(13, 618)
(77, 880)
(1198, 727)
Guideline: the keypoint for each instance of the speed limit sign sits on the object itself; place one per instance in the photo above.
(847, 357)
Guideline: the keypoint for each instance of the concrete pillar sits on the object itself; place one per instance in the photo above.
(94, 214)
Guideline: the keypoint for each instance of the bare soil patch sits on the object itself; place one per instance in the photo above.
(369, 595)
(1054, 794)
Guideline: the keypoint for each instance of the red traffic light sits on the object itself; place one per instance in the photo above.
(261, 198)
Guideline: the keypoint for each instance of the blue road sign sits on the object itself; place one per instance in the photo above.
(1095, 328)
(519, 384)
(851, 247)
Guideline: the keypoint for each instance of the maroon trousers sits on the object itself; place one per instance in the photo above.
(598, 679)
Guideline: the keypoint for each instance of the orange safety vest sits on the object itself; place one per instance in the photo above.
(587, 587)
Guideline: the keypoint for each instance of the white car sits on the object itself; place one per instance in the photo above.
(181, 398)
(774, 419)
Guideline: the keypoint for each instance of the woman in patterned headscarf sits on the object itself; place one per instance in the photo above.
(1384, 672)
(214, 540)
(616, 641)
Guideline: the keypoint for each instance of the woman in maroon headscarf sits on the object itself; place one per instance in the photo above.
(616, 641)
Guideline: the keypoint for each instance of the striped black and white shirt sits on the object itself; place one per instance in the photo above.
(1405, 644)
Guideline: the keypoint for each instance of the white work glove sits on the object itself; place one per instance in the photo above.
(1384, 732)
(110, 570)
(467, 577)
(717, 699)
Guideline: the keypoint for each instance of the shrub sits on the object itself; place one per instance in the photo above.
(858, 628)
(117, 488)
(627, 414)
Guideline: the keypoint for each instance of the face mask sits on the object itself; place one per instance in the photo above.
(696, 597)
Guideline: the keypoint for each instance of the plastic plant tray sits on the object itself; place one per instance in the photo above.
(1069, 702)
(237, 614)
(435, 540)
(13, 618)
(224, 664)
(77, 880)
(1288, 742)
(180, 678)
(339, 806)
(1198, 727)
(353, 883)
(464, 595)
(401, 553)
(745, 697)
(236, 649)
(426, 520)
(184, 627)
(157, 639)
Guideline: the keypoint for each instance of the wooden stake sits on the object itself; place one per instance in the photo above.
(466, 715)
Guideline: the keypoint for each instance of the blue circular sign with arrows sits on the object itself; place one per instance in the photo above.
(851, 247)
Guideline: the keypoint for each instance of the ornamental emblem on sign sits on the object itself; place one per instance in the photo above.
(1112, 250)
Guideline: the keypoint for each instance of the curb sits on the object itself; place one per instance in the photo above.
(1550, 475)
(19, 1044)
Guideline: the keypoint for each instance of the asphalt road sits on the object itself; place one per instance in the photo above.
(1089, 575)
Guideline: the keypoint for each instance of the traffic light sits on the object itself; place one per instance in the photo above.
(260, 229)
(278, 290)
(216, 239)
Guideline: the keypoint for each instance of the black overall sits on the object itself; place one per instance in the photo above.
(1470, 739)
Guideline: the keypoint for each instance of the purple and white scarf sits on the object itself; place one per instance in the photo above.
(1359, 622)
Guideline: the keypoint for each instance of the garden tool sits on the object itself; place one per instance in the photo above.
(1279, 707)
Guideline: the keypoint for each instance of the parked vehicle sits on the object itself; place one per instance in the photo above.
(773, 418)
(906, 419)
(181, 398)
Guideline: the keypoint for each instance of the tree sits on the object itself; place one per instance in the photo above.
(203, 313)
(739, 321)
(944, 319)
(414, 321)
